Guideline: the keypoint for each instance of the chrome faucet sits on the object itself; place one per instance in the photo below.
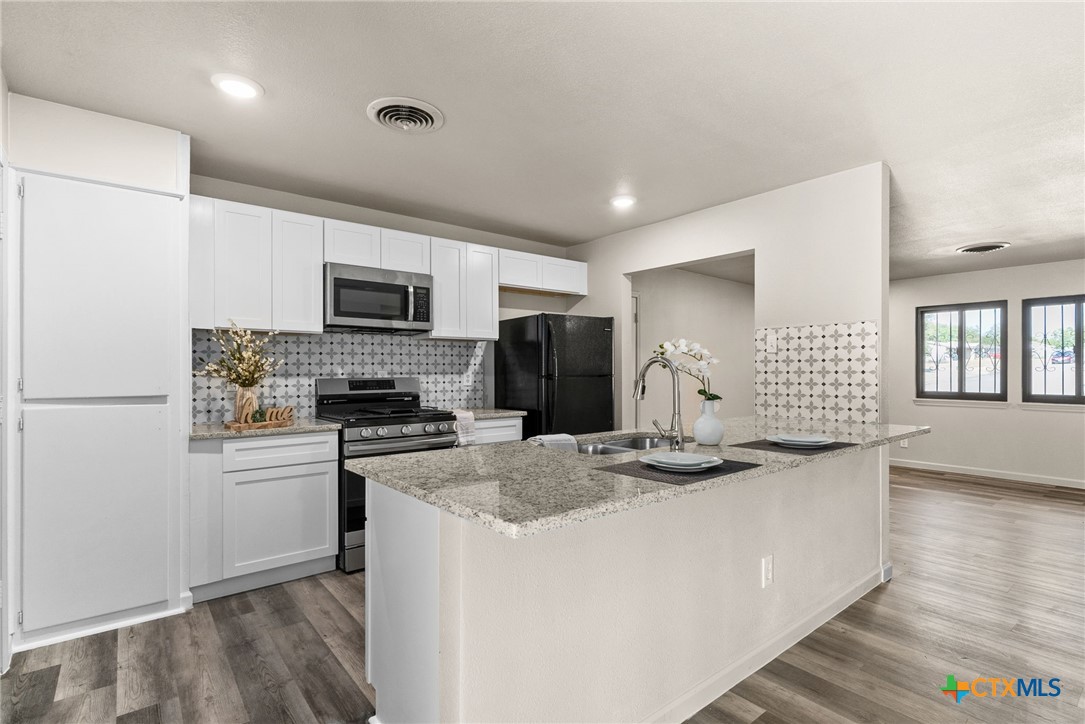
(675, 433)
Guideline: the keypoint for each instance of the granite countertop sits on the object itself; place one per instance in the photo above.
(494, 413)
(519, 489)
(302, 425)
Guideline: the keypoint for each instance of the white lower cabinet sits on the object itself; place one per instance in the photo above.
(273, 517)
(259, 504)
(509, 429)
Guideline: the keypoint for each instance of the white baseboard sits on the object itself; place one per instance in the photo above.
(32, 642)
(1000, 474)
(700, 695)
(260, 579)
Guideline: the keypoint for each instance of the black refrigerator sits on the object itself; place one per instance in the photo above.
(559, 368)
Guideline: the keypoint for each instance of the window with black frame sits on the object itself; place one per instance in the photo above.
(1051, 341)
(960, 351)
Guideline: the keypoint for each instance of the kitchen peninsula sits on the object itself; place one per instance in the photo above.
(516, 583)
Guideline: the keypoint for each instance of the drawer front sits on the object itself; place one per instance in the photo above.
(277, 450)
(504, 430)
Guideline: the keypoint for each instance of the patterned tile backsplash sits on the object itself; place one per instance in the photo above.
(450, 372)
(824, 372)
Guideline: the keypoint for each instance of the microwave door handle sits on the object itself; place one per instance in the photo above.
(410, 303)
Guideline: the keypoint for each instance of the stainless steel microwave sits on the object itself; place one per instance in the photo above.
(380, 300)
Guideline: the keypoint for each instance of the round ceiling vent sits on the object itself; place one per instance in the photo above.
(982, 248)
(406, 115)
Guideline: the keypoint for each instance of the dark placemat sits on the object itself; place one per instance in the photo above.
(769, 446)
(637, 469)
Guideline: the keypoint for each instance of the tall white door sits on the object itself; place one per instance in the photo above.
(481, 292)
(449, 303)
(242, 265)
(96, 267)
(95, 511)
(297, 264)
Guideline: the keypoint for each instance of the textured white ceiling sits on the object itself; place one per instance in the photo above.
(552, 108)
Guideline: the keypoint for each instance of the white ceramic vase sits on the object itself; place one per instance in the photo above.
(708, 430)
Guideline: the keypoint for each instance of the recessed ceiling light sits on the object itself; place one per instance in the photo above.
(237, 85)
(982, 248)
(623, 202)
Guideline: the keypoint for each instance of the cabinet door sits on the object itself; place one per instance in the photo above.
(449, 264)
(95, 511)
(278, 516)
(518, 269)
(201, 262)
(564, 275)
(297, 262)
(99, 269)
(481, 292)
(348, 243)
(242, 265)
(404, 251)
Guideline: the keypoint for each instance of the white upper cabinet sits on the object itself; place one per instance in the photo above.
(242, 265)
(349, 243)
(297, 264)
(521, 270)
(404, 251)
(465, 290)
(97, 268)
(481, 292)
(544, 273)
(449, 300)
(201, 262)
(564, 275)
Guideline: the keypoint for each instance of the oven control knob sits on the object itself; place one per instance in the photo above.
(381, 432)
(428, 428)
(405, 430)
(365, 432)
(443, 427)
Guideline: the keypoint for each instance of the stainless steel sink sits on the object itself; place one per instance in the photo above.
(640, 443)
(598, 448)
(617, 447)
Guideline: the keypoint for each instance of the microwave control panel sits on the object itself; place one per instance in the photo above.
(421, 304)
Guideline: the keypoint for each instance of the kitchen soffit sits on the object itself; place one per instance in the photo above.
(553, 108)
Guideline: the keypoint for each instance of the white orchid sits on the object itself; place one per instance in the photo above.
(692, 359)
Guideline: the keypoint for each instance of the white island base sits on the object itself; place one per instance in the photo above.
(644, 615)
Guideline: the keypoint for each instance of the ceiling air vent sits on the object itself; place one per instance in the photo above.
(406, 115)
(983, 248)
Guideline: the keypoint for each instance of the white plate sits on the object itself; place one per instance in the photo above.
(804, 439)
(679, 459)
(687, 468)
(799, 445)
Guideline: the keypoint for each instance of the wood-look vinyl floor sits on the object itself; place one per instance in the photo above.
(989, 582)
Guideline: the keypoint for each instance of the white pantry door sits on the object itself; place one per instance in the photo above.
(97, 262)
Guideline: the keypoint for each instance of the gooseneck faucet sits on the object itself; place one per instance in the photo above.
(675, 433)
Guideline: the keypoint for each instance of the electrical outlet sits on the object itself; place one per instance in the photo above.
(772, 343)
(766, 571)
(904, 443)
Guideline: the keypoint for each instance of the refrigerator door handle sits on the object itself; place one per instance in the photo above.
(550, 342)
(552, 394)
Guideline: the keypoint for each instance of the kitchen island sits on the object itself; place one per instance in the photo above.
(516, 583)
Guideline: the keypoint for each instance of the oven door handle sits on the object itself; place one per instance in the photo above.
(410, 303)
(359, 449)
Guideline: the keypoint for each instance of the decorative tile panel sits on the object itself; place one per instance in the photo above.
(822, 372)
(450, 372)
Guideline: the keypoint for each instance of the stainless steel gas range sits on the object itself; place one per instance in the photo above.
(380, 416)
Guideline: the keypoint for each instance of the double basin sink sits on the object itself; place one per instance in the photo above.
(617, 447)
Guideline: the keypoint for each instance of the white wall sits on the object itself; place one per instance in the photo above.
(1035, 443)
(66, 141)
(822, 256)
(714, 312)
